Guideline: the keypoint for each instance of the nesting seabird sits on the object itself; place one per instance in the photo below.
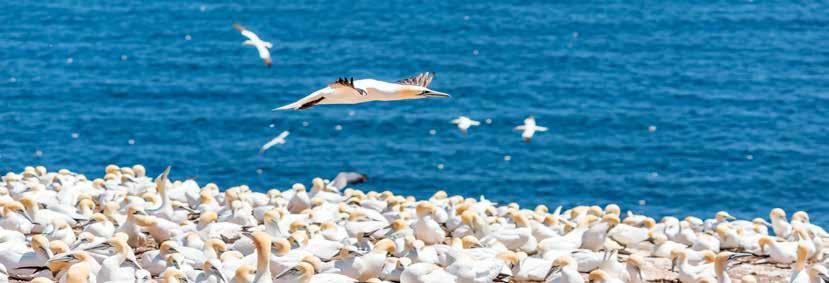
(529, 128)
(350, 91)
(280, 139)
(253, 40)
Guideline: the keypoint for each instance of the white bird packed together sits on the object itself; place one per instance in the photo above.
(128, 227)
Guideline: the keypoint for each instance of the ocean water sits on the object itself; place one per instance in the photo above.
(738, 92)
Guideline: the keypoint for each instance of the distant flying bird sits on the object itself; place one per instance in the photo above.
(253, 40)
(529, 128)
(349, 91)
(280, 139)
(344, 179)
(464, 123)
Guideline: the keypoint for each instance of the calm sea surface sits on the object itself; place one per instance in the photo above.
(738, 93)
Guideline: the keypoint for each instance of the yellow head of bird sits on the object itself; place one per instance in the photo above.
(777, 214)
(314, 261)
(207, 217)
(245, 272)
(801, 216)
(722, 216)
(563, 261)
(385, 245)
(764, 241)
(597, 275)
(281, 245)
(469, 241)
(509, 257)
(440, 195)
(424, 208)
(216, 244)
(111, 169)
(399, 224)
(636, 260)
(613, 209)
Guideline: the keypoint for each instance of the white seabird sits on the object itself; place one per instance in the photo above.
(254, 40)
(280, 139)
(349, 91)
(529, 128)
(464, 123)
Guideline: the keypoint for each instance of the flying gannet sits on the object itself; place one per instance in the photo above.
(349, 91)
(253, 40)
(280, 139)
(529, 128)
(464, 123)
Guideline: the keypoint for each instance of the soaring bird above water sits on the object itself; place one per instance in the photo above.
(529, 128)
(280, 139)
(350, 91)
(464, 123)
(253, 40)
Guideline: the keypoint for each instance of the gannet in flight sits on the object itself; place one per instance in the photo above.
(253, 40)
(344, 179)
(349, 91)
(464, 123)
(280, 139)
(529, 128)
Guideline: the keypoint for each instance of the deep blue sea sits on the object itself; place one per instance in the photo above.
(738, 92)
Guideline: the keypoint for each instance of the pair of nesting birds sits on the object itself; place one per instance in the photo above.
(349, 91)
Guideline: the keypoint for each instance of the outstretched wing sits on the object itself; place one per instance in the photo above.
(344, 179)
(264, 54)
(280, 139)
(347, 83)
(422, 79)
(284, 134)
(245, 32)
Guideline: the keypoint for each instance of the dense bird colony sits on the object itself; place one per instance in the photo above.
(127, 227)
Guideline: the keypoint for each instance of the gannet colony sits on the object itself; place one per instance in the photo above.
(128, 227)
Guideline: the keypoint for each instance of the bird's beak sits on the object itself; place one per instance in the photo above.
(432, 93)
(26, 215)
(738, 255)
(824, 276)
(100, 246)
(553, 271)
(61, 258)
(222, 277)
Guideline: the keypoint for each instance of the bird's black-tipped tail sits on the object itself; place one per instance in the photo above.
(238, 27)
